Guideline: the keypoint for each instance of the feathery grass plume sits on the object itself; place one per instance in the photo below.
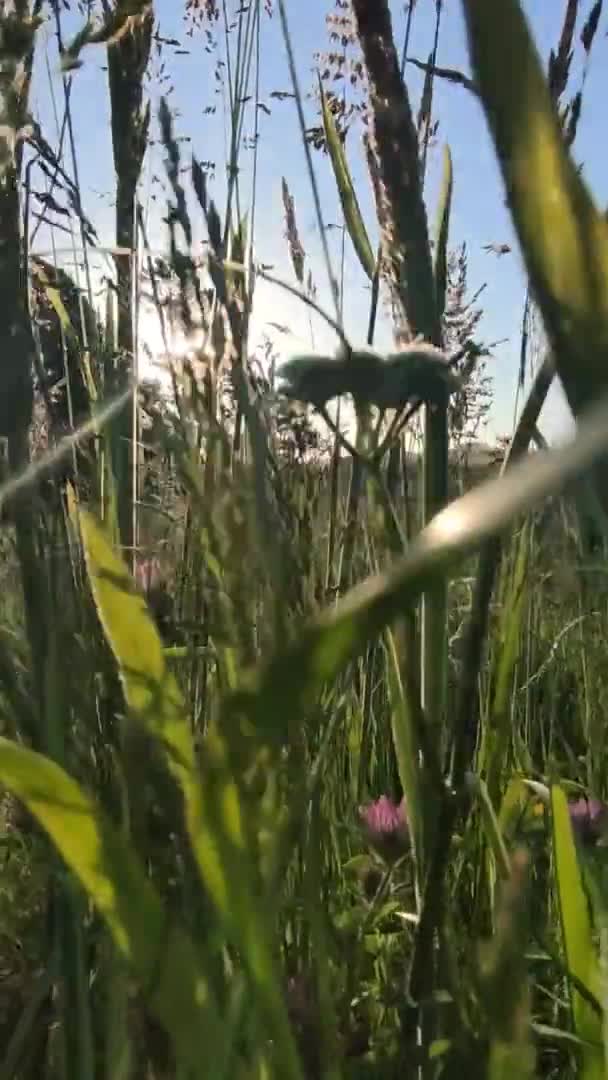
(400, 205)
(200, 11)
(296, 251)
(590, 28)
(128, 55)
(560, 61)
(426, 128)
(124, 17)
(397, 180)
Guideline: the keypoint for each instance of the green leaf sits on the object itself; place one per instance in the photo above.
(55, 300)
(221, 837)
(55, 297)
(162, 956)
(151, 690)
(564, 238)
(348, 196)
(440, 261)
(581, 956)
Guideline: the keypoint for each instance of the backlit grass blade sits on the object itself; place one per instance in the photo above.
(564, 238)
(348, 196)
(581, 955)
(440, 257)
(162, 956)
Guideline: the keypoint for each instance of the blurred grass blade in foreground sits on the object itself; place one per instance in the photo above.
(581, 955)
(564, 238)
(163, 957)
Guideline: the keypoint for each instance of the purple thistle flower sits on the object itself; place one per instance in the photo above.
(387, 827)
(589, 819)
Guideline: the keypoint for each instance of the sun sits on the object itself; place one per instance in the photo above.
(160, 347)
(276, 316)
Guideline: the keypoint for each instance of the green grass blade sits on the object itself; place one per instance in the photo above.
(440, 260)
(162, 956)
(408, 750)
(581, 956)
(491, 827)
(348, 196)
(505, 986)
(563, 237)
(498, 731)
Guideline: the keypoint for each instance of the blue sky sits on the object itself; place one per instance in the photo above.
(479, 215)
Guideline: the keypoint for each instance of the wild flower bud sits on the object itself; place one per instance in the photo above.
(386, 826)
